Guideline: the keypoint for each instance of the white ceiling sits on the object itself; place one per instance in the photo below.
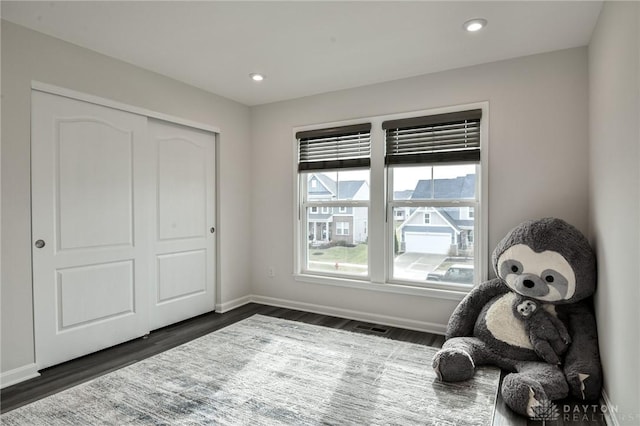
(305, 47)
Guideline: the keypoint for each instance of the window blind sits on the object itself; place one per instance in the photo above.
(335, 148)
(442, 138)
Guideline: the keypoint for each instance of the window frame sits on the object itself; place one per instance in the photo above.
(303, 248)
(471, 213)
(344, 229)
(435, 203)
(380, 214)
(323, 149)
(426, 216)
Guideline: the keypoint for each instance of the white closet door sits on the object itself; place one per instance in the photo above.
(183, 276)
(90, 200)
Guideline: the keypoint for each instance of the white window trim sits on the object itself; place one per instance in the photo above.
(379, 268)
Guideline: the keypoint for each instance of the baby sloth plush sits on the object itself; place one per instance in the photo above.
(534, 320)
(547, 334)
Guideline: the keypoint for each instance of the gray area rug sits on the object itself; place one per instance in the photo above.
(269, 371)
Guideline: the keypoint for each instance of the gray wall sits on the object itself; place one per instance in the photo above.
(538, 164)
(28, 55)
(614, 134)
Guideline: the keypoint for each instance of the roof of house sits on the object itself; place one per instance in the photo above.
(347, 189)
(452, 188)
(459, 187)
(326, 182)
(343, 190)
(403, 195)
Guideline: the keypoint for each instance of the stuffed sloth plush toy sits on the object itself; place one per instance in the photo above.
(547, 334)
(534, 320)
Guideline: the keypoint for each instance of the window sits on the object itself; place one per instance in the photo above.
(338, 159)
(423, 174)
(437, 158)
(342, 228)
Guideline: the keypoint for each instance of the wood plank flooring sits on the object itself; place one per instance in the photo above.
(66, 375)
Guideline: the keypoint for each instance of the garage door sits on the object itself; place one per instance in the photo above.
(434, 243)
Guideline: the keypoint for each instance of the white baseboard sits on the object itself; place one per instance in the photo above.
(17, 375)
(391, 321)
(232, 304)
(354, 315)
(609, 415)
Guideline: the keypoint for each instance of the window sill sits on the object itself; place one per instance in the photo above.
(395, 288)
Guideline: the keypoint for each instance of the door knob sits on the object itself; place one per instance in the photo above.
(40, 244)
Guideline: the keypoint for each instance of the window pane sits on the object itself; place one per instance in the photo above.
(338, 185)
(337, 241)
(433, 243)
(434, 182)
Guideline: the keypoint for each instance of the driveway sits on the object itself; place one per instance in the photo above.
(416, 266)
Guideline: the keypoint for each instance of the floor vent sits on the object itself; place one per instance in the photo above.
(372, 329)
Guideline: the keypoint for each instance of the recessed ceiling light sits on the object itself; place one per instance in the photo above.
(476, 24)
(256, 77)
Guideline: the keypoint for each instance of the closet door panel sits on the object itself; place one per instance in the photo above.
(184, 245)
(90, 242)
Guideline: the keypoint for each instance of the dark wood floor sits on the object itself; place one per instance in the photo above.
(63, 376)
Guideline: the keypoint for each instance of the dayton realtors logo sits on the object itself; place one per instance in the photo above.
(587, 413)
(547, 411)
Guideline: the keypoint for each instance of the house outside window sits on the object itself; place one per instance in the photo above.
(438, 158)
(426, 170)
(338, 160)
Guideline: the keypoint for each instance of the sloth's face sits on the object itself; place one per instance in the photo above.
(544, 276)
(526, 308)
